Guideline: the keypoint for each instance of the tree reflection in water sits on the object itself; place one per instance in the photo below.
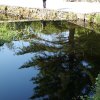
(63, 75)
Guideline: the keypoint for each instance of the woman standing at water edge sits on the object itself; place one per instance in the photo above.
(44, 3)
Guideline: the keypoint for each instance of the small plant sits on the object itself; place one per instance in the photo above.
(31, 11)
(9, 9)
(56, 14)
(19, 11)
(34, 11)
(97, 93)
(22, 9)
(60, 15)
(90, 18)
(97, 19)
(53, 12)
(4, 8)
(66, 16)
(72, 16)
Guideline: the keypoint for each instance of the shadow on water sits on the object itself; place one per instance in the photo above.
(68, 57)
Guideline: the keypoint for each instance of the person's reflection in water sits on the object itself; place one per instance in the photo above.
(44, 24)
(44, 3)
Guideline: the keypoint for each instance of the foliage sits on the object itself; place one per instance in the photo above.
(90, 18)
(53, 12)
(7, 34)
(4, 7)
(97, 28)
(97, 94)
(72, 16)
(66, 16)
(97, 19)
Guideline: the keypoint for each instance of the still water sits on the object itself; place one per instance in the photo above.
(48, 60)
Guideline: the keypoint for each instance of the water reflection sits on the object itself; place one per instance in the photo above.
(43, 24)
(67, 56)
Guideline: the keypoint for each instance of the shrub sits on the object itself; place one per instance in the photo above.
(90, 18)
(97, 19)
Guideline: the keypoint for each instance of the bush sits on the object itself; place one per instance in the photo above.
(90, 18)
(97, 19)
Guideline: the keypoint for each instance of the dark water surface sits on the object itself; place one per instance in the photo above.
(47, 60)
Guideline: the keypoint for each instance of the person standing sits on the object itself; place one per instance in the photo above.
(44, 3)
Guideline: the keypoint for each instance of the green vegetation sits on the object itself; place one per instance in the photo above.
(72, 16)
(9, 9)
(97, 19)
(7, 34)
(97, 94)
(66, 16)
(90, 18)
(4, 8)
(53, 12)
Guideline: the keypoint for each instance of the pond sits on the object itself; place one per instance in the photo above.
(48, 60)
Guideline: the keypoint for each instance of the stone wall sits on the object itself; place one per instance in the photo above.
(48, 14)
(37, 13)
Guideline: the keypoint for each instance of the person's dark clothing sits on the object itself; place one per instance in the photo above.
(44, 3)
